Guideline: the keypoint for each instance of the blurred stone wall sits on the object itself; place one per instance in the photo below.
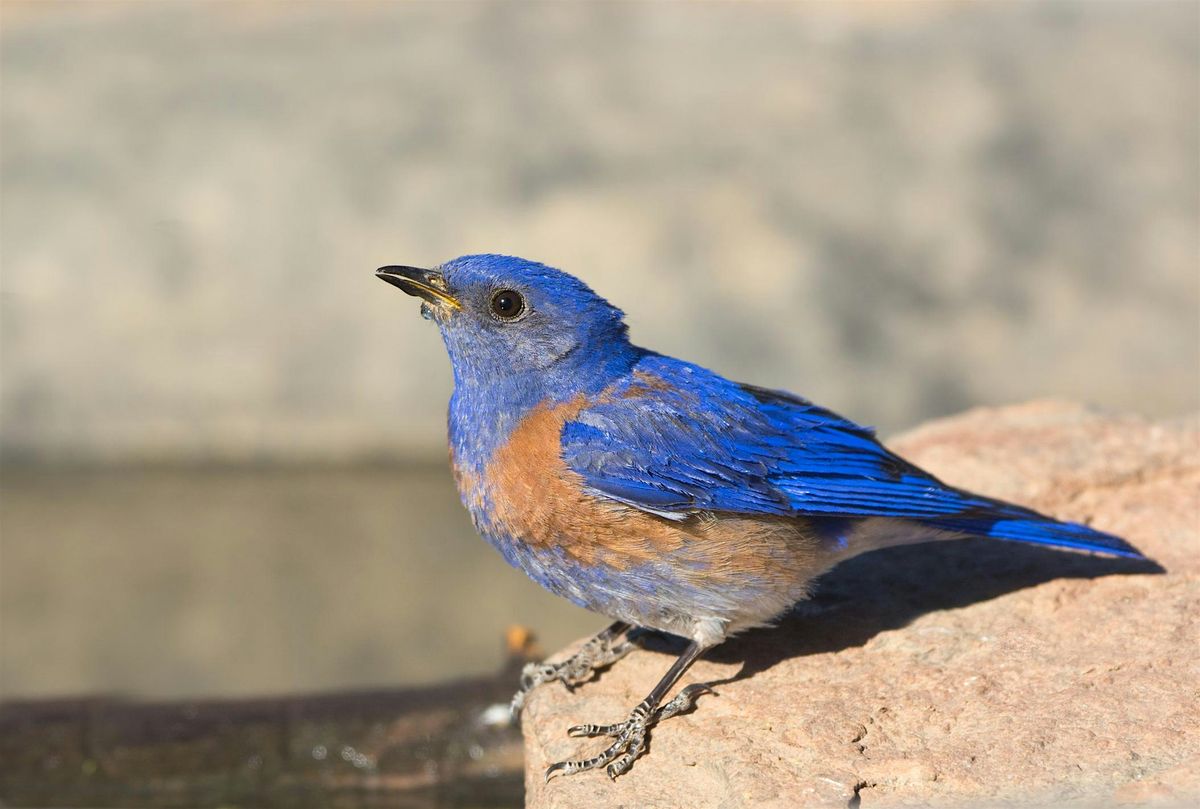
(898, 210)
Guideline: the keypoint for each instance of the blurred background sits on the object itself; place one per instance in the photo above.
(223, 449)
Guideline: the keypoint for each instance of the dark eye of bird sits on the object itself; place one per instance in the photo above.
(508, 304)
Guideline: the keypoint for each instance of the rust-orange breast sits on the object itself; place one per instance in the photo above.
(537, 500)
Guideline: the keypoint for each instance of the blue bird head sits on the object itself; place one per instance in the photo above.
(507, 320)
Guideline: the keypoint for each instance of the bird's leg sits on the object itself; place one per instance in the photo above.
(631, 734)
(597, 653)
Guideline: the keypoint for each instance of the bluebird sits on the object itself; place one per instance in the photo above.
(656, 492)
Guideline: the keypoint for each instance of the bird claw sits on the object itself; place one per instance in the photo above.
(684, 701)
(598, 653)
(629, 744)
(533, 675)
(630, 736)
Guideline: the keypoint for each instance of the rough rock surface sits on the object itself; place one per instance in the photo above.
(966, 673)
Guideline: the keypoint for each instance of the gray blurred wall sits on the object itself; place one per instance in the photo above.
(898, 210)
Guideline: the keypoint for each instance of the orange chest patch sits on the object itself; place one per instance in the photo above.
(531, 492)
(528, 494)
(531, 505)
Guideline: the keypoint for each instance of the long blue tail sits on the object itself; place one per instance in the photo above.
(1005, 521)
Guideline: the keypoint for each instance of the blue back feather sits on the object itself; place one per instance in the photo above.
(702, 443)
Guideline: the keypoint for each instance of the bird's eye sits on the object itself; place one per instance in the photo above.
(507, 304)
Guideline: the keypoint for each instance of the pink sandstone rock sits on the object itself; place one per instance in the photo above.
(966, 673)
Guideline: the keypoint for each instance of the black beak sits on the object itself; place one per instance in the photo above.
(425, 284)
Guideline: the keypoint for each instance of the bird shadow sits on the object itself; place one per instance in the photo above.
(888, 589)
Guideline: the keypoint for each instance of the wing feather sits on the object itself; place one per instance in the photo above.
(675, 439)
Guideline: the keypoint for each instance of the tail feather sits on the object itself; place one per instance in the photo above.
(1016, 524)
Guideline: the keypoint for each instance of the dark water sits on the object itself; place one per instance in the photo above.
(230, 582)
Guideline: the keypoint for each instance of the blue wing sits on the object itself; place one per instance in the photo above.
(675, 439)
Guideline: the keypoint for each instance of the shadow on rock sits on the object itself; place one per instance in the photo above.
(890, 588)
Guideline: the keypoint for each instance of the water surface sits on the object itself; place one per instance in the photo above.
(177, 582)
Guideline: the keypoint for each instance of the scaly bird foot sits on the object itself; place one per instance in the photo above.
(598, 653)
(630, 736)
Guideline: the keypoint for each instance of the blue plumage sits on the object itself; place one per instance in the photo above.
(767, 452)
(658, 492)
